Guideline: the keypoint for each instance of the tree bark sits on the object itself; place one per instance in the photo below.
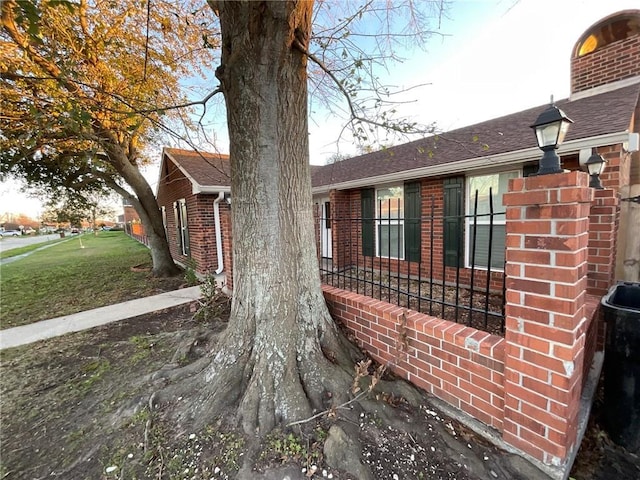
(146, 205)
(282, 356)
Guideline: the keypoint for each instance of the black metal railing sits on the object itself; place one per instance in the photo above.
(450, 266)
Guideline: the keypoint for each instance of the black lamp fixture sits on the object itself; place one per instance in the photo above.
(551, 127)
(595, 165)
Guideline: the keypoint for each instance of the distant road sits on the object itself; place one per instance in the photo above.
(9, 243)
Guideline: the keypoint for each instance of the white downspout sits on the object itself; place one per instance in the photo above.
(216, 221)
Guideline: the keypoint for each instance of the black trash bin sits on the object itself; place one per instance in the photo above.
(621, 309)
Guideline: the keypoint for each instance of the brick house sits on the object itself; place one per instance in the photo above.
(604, 104)
(194, 195)
(549, 251)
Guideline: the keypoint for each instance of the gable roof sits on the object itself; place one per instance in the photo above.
(207, 172)
(604, 117)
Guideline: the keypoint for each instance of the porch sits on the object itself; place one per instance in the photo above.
(512, 347)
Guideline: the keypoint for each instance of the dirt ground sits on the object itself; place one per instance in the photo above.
(76, 407)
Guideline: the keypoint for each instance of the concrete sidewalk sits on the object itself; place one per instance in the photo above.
(25, 334)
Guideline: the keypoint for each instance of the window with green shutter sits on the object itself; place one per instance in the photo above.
(452, 221)
(390, 221)
(530, 169)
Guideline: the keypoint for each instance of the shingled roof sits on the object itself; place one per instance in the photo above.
(205, 170)
(596, 115)
(606, 113)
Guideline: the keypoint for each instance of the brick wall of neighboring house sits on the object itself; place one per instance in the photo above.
(175, 186)
(616, 61)
(227, 247)
(130, 214)
(202, 236)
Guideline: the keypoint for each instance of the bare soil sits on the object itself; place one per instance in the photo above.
(77, 407)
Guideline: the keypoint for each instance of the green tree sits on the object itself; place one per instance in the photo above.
(83, 91)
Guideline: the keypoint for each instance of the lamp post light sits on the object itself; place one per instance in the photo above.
(595, 165)
(551, 127)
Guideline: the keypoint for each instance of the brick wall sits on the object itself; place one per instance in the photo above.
(616, 61)
(200, 222)
(460, 365)
(603, 230)
(227, 247)
(528, 384)
(546, 316)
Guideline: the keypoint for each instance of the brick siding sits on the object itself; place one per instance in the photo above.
(616, 61)
(200, 221)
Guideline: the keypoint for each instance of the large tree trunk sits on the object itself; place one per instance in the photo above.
(282, 356)
(146, 205)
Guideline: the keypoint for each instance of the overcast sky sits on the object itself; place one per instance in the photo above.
(497, 57)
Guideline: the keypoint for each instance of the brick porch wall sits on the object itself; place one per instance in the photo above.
(458, 364)
(547, 247)
(528, 384)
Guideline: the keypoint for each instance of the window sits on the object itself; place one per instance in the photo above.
(391, 222)
(182, 227)
(163, 211)
(486, 231)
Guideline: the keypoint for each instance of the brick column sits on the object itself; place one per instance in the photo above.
(547, 236)
(341, 233)
(603, 232)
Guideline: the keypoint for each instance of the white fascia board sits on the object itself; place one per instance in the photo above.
(474, 164)
(197, 188)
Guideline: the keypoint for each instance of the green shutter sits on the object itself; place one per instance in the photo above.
(452, 222)
(368, 210)
(412, 214)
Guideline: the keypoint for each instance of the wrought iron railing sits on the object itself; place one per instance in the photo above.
(457, 277)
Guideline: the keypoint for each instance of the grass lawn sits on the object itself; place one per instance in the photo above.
(80, 274)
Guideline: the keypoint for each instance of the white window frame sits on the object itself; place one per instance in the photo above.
(182, 222)
(163, 211)
(497, 219)
(391, 221)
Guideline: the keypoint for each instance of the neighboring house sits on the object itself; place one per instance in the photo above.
(194, 196)
(449, 168)
(131, 220)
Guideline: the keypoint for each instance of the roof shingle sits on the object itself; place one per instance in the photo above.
(206, 169)
(609, 112)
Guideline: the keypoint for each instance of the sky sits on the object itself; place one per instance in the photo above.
(494, 57)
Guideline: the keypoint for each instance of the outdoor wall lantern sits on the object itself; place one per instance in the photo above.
(595, 165)
(551, 127)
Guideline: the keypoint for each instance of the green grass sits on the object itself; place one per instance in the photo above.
(14, 252)
(80, 274)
